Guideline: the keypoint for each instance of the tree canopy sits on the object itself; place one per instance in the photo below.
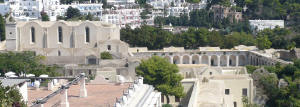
(2, 28)
(10, 97)
(286, 96)
(45, 17)
(163, 75)
(157, 38)
(72, 13)
(26, 62)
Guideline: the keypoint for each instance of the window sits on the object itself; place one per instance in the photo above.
(58, 53)
(92, 61)
(87, 34)
(162, 98)
(210, 73)
(177, 99)
(70, 72)
(108, 47)
(32, 34)
(90, 72)
(245, 92)
(60, 35)
(227, 91)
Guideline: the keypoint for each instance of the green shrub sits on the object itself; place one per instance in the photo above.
(106, 55)
(166, 105)
(251, 68)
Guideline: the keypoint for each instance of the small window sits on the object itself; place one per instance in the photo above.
(60, 35)
(108, 47)
(162, 98)
(32, 34)
(210, 73)
(87, 34)
(227, 91)
(58, 53)
(90, 72)
(71, 73)
(245, 93)
(177, 99)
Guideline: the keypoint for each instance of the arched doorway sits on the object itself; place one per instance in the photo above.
(223, 60)
(232, 60)
(242, 60)
(186, 59)
(214, 60)
(195, 59)
(204, 59)
(176, 60)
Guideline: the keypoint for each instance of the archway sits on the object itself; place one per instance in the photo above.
(232, 60)
(242, 60)
(185, 59)
(195, 59)
(204, 59)
(176, 60)
(214, 60)
(223, 60)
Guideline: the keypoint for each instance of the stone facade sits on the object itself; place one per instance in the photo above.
(66, 42)
(213, 56)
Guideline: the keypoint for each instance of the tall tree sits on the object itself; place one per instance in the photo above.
(263, 42)
(25, 62)
(163, 75)
(44, 15)
(2, 28)
(72, 13)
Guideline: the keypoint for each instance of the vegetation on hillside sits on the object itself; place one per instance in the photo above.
(288, 96)
(163, 75)
(73, 14)
(156, 38)
(204, 18)
(2, 28)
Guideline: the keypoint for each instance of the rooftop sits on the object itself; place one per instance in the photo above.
(12, 82)
(98, 95)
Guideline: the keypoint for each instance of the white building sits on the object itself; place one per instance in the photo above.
(161, 4)
(177, 11)
(259, 25)
(122, 17)
(120, 2)
(22, 9)
(20, 84)
(60, 10)
(139, 95)
(4, 8)
(30, 9)
(200, 5)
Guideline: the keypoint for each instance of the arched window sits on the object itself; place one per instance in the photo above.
(87, 34)
(32, 30)
(60, 34)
